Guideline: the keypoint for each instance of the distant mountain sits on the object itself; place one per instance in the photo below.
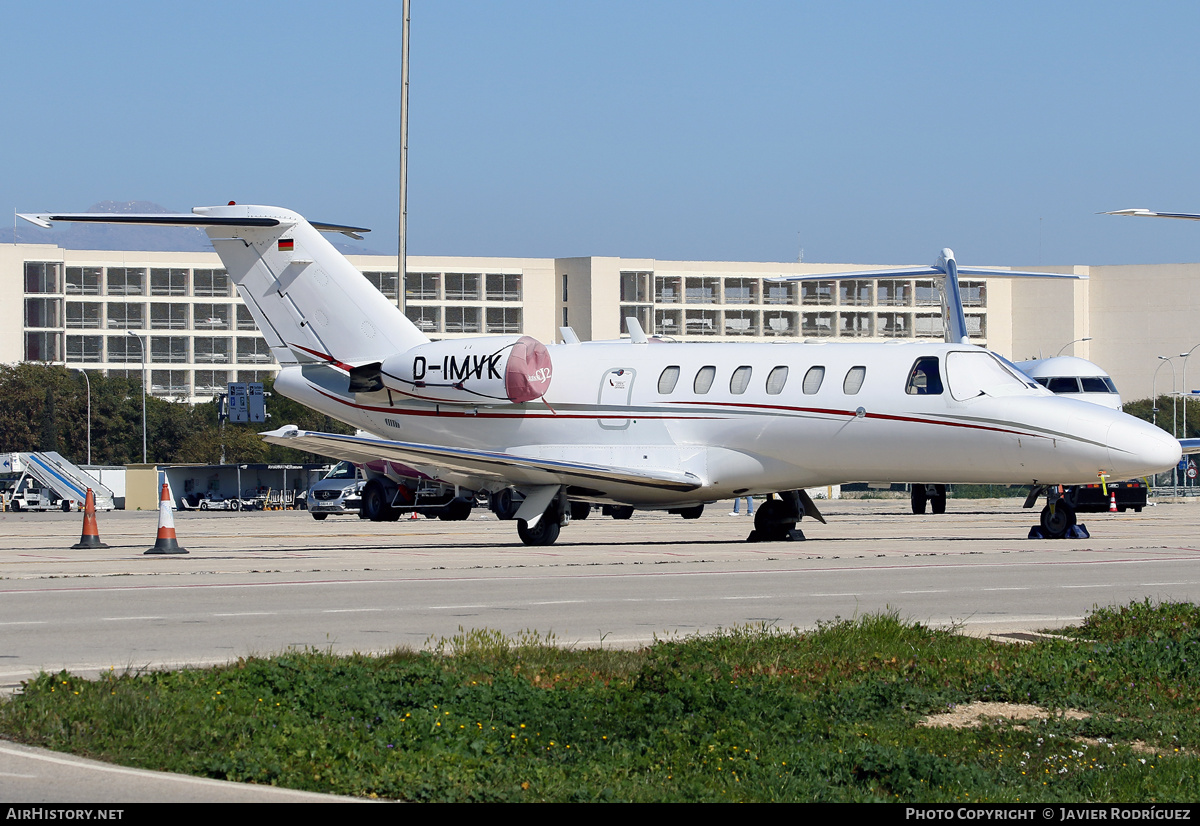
(113, 237)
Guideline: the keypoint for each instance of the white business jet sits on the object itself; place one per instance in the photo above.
(546, 431)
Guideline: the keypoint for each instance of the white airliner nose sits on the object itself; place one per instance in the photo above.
(1138, 448)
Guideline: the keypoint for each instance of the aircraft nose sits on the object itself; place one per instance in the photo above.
(1138, 448)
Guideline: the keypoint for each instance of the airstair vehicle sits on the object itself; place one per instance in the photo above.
(43, 477)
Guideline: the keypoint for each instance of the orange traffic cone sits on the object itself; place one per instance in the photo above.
(413, 516)
(1112, 502)
(166, 542)
(90, 538)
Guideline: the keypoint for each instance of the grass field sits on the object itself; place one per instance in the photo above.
(848, 712)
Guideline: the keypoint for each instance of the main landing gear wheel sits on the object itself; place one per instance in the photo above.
(1055, 525)
(621, 511)
(774, 521)
(502, 504)
(937, 502)
(580, 511)
(545, 532)
(918, 498)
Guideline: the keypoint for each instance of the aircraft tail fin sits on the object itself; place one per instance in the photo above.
(310, 303)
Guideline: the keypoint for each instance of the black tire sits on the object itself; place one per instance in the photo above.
(456, 510)
(66, 506)
(1056, 525)
(375, 504)
(235, 504)
(16, 506)
(580, 511)
(773, 521)
(918, 498)
(544, 533)
(621, 511)
(692, 513)
(501, 503)
(319, 516)
(937, 502)
(203, 504)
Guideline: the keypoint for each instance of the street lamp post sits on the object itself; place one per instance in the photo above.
(142, 348)
(1185, 389)
(89, 392)
(1069, 343)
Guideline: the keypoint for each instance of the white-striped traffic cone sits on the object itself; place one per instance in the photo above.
(1112, 502)
(166, 543)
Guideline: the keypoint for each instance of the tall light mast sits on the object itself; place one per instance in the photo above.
(402, 263)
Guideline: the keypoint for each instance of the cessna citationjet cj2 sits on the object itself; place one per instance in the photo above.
(545, 431)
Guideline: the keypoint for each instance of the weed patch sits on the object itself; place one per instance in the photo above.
(747, 714)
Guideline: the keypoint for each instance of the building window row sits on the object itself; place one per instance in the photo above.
(52, 277)
(449, 319)
(112, 315)
(678, 289)
(94, 349)
(812, 324)
(451, 286)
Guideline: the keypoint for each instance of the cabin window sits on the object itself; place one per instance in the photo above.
(776, 379)
(924, 378)
(668, 379)
(740, 380)
(854, 380)
(704, 379)
(813, 379)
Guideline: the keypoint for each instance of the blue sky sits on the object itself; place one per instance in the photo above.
(862, 132)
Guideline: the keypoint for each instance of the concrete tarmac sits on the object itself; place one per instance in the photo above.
(261, 583)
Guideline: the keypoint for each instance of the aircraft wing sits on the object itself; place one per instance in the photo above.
(441, 462)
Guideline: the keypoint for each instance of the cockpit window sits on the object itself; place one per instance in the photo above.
(924, 378)
(1097, 384)
(1063, 384)
(972, 373)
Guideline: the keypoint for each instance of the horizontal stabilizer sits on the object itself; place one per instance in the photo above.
(481, 464)
(46, 219)
(1146, 213)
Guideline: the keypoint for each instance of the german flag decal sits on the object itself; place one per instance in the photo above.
(286, 244)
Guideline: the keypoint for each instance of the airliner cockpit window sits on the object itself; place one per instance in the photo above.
(1097, 384)
(924, 378)
(977, 373)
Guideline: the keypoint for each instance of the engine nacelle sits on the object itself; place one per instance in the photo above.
(484, 370)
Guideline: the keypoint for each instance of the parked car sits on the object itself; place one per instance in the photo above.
(340, 491)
